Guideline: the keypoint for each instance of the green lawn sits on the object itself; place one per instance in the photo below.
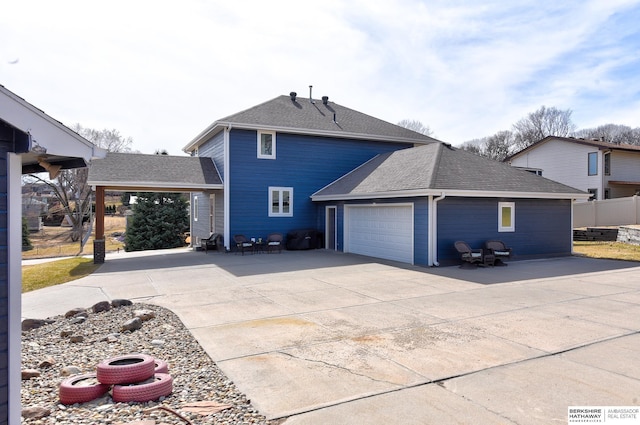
(55, 272)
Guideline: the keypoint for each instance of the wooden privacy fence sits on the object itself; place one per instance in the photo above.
(610, 212)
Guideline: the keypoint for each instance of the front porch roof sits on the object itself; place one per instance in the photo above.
(154, 173)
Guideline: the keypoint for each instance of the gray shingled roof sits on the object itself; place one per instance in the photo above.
(154, 171)
(437, 168)
(302, 116)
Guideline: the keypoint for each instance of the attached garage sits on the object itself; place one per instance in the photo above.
(382, 231)
(411, 205)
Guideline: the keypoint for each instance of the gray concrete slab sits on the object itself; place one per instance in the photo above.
(539, 391)
(324, 337)
(427, 404)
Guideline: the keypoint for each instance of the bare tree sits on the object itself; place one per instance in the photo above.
(417, 126)
(612, 133)
(70, 186)
(110, 140)
(496, 147)
(542, 123)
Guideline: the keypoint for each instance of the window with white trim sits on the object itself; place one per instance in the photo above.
(195, 208)
(267, 144)
(506, 217)
(280, 202)
(592, 164)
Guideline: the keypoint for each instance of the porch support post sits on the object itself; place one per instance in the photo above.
(99, 247)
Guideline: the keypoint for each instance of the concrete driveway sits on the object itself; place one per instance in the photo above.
(323, 337)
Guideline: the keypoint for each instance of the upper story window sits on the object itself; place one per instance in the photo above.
(607, 163)
(280, 202)
(506, 217)
(267, 144)
(593, 164)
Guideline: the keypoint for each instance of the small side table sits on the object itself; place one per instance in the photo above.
(489, 260)
(259, 246)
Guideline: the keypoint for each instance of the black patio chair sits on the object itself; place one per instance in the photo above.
(470, 257)
(499, 250)
(274, 241)
(243, 244)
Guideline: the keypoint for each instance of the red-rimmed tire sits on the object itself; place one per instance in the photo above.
(81, 389)
(152, 389)
(126, 369)
(161, 366)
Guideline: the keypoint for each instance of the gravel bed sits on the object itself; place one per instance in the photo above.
(196, 377)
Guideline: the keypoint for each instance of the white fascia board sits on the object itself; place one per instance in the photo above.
(47, 132)
(450, 193)
(156, 185)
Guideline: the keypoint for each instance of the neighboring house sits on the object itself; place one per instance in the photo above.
(29, 140)
(605, 170)
(369, 186)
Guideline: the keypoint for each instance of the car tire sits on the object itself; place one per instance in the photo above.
(81, 389)
(152, 389)
(161, 366)
(126, 369)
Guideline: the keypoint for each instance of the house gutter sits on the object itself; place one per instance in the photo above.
(433, 230)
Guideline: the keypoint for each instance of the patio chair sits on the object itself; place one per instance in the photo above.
(274, 241)
(215, 241)
(500, 250)
(470, 257)
(243, 244)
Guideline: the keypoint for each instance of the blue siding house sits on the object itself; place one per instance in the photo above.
(274, 156)
(370, 187)
(29, 140)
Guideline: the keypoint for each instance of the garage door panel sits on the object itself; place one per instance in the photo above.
(381, 231)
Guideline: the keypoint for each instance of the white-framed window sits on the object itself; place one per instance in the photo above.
(195, 208)
(267, 144)
(506, 216)
(592, 164)
(280, 202)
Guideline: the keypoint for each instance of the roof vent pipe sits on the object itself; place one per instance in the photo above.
(325, 100)
(310, 96)
(334, 118)
(293, 96)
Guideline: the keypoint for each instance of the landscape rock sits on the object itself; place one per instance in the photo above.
(120, 303)
(101, 306)
(78, 320)
(48, 362)
(65, 333)
(144, 315)
(74, 311)
(131, 325)
(70, 370)
(30, 324)
(35, 412)
(76, 338)
(29, 374)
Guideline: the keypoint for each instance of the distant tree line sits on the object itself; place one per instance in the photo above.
(542, 123)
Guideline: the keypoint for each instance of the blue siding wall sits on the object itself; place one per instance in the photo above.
(214, 148)
(305, 163)
(542, 227)
(4, 292)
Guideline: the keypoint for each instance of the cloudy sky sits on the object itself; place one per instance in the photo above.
(160, 72)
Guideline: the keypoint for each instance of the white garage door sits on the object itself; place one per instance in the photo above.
(380, 231)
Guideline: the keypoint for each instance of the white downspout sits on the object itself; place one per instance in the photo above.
(225, 187)
(433, 231)
(573, 202)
